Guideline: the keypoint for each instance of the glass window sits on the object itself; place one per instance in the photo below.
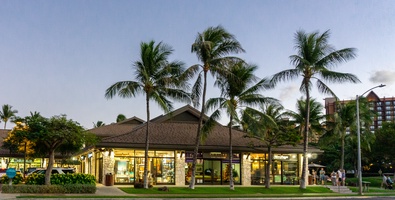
(389, 117)
(387, 103)
(165, 153)
(379, 113)
(379, 122)
(371, 127)
(378, 108)
(124, 170)
(162, 170)
(258, 172)
(141, 153)
(378, 103)
(387, 108)
(379, 117)
(388, 113)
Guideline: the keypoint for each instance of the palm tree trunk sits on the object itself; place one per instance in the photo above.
(303, 180)
(24, 160)
(231, 184)
(146, 146)
(199, 133)
(268, 167)
(343, 146)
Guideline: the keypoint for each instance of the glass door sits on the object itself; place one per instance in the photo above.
(212, 172)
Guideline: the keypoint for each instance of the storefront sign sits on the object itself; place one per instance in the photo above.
(281, 157)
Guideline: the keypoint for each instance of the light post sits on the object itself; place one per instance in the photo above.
(359, 141)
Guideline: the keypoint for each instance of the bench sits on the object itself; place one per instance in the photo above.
(365, 185)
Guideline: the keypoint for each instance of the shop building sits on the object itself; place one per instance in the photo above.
(121, 154)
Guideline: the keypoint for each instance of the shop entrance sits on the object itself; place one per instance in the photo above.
(212, 171)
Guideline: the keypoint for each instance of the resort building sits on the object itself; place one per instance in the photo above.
(171, 144)
(384, 108)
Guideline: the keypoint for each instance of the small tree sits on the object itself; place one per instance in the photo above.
(54, 134)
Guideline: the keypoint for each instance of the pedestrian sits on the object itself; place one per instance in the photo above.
(322, 176)
(343, 177)
(333, 178)
(339, 177)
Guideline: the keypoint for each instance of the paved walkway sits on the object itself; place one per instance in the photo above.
(115, 192)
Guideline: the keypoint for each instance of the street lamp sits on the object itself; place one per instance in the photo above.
(359, 141)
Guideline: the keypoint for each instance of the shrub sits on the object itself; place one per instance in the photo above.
(59, 189)
(61, 179)
(16, 180)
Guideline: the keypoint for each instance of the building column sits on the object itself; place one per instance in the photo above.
(246, 170)
(180, 169)
(108, 163)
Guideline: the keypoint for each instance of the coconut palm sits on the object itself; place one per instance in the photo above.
(316, 118)
(314, 60)
(270, 125)
(7, 113)
(211, 47)
(238, 89)
(341, 121)
(121, 117)
(156, 78)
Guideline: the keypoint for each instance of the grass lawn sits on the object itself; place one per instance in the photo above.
(375, 181)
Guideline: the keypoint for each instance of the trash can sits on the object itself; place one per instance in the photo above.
(310, 180)
(109, 180)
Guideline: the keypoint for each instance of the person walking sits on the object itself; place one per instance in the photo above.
(322, 176)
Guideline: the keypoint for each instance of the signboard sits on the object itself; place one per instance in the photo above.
(11, 172)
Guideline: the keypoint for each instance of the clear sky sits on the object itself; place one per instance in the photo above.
(59, 57)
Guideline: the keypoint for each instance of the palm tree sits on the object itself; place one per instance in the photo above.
(314, 59)
(270, 125)
(121, 117)
(342, 120)
(156, 78)
(98, 124)
(211, 47)
(238, 89)
(316, 118)
(7, 113)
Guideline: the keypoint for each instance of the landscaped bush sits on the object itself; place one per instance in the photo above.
(58, 189)
(16, 180)
(61, 179)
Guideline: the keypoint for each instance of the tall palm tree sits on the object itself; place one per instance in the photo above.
(238, 89)
(270, 125)
(7, 113)
(342, 120)
(211, 47)
(121, 117)
(157, 79)
(314, 60)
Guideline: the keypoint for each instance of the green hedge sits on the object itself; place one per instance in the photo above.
(61, 179)
(16, 180)
(55, 189)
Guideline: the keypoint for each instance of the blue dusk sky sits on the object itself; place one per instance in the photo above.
(59, 57)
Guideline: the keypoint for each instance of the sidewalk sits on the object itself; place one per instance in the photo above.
(107, 192)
